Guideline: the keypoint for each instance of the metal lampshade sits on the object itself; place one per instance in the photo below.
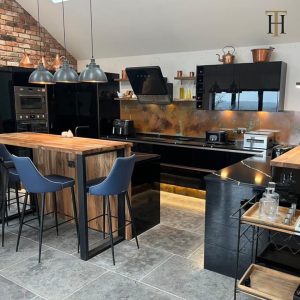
(298, 85)
(92, 73)
(26, 62)
(66, 73)
(41, 76)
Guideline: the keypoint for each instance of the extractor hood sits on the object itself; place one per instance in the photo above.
(149, 85)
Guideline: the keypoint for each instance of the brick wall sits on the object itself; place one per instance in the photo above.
(19, 32)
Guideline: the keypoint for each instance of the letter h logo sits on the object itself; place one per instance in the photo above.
(275, 24)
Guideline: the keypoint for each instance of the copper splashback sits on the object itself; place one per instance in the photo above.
(184, 119)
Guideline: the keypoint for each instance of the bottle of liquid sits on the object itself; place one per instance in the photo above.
(181, 92)
(271, 191)
(268, 205)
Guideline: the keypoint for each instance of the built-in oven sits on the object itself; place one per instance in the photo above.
(30, 101)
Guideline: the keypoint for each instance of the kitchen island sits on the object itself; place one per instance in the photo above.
(82, 159)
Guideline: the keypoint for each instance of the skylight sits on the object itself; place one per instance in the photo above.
(58, 1)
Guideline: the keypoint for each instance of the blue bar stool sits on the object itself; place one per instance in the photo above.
(3, 189)
(14, 180)
(35, 183)
(116, 183)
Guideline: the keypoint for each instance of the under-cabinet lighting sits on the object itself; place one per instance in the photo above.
(58, 1)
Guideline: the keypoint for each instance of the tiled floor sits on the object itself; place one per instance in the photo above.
(168, 265)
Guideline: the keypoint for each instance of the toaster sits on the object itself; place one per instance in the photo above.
(216, 137)
(123, 127)
(258, 140)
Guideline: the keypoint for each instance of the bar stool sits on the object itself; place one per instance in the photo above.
(14, 180)
(35, 183)
(116, 183)
(3, 188)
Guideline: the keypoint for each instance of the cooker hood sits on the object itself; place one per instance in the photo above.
(149, 85)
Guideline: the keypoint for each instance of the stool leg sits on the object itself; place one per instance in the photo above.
(103, 218)
(41, 226)
(75, 216)
(55, 212)
(22, 220)
(110, 230)
(4, 209)
(17, 198)
(132, 218)
(37, 207)
(8, 197)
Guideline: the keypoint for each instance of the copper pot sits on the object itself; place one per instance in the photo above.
(262, 55)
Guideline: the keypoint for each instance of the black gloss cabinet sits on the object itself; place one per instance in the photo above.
(245, 87)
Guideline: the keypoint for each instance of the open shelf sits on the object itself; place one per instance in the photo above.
(185, 78)
(121, 80)
(126, 99)
(266, 283)
(251, 217)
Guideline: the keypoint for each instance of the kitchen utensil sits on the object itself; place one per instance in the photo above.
(227, 58)
(262, 55)
(179, 73)
(181, 93)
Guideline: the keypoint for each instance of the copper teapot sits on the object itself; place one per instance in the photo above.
(227, 58)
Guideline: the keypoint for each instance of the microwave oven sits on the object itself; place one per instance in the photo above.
(30, 100)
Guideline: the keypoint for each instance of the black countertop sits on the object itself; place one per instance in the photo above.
(183, 141)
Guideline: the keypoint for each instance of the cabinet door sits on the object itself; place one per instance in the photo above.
(7, 115)
(259, 86)
(220, 86)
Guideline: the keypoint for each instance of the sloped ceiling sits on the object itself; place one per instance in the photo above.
(136, 27)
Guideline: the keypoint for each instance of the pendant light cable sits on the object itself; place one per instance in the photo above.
(38, 7)
(92, 36)
(64, 27)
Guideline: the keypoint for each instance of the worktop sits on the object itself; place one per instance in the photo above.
(290, 159)
(75, 145)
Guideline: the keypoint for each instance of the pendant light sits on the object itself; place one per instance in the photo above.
(298, 85)
(92, 72)
(41, 75)
(65, 74)
(25, 62)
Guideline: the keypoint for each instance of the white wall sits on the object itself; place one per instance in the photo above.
(186, 61)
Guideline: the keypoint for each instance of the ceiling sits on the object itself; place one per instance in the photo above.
(136, 27)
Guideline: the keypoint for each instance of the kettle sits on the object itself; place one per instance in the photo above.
(227, 58)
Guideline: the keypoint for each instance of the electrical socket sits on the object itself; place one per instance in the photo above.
(241, 130)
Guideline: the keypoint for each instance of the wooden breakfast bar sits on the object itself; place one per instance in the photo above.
(83, 159)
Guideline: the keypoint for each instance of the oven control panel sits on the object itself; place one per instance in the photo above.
(25, 117)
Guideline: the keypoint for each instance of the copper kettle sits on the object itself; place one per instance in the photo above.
(227, 58)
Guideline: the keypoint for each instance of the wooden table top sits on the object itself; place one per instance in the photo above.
(290, 159)
(75, 145)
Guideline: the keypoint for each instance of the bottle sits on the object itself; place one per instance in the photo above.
(181, 92)
(268, 205)
(271, 191)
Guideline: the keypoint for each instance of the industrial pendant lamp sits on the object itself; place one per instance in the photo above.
(92, 72)
(41, 75)
(65, 73)
(298, 85)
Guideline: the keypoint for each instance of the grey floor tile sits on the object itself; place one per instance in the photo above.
(66, 240)
(198, 256)
(130, 261)
(184, 278)
(11, 291)
(57, 276)
(182, 220)
(170, 239)
(8, 254)
(111, 286)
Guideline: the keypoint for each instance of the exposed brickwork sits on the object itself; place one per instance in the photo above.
(19, 32)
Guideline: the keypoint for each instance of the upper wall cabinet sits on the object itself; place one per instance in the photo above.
(250, 86)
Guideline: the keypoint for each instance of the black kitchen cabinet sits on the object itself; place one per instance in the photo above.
(248, 86)
(89, 107)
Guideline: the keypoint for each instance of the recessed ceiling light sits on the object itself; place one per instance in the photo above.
(58, 1)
